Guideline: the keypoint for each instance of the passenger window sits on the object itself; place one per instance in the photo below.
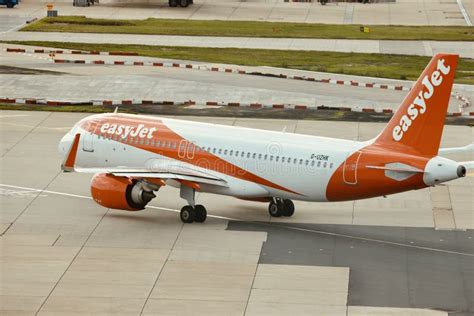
(271, 157)
(319, 164)
(225, 151)
(242, 155)
(231, 153)
(301, 161)
(259, 156)
(306, 162)
(295, 161)
(325, 165)
(312, 163)
(220, 151)
(265, 157)
(254, 155)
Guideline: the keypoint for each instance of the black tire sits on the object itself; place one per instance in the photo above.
(201, 214)
(288, 208)
(10, 5)
(275, 209)
(173, 3)
(187, 214)
(183, 3)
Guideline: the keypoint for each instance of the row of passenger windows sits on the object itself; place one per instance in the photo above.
(218, 151)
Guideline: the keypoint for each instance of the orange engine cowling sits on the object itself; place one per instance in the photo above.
(120, 192)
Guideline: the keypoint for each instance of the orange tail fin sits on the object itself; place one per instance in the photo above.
(418, 123)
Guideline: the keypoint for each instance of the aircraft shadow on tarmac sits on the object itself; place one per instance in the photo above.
(389, 266)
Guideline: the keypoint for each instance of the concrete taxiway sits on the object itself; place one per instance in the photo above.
(60, 253)
(401, 12)
(421, 48)
(100, 82)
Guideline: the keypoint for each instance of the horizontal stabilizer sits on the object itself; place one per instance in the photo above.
(468, 164)
(397, 169)
(457, 150)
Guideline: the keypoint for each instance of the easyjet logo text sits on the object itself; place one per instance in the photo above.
(418, 106)
(128, 131)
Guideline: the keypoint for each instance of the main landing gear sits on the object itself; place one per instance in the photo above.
(181, 3)
(281, 207)
(191, 212)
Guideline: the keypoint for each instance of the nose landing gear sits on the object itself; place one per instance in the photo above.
(281, 207)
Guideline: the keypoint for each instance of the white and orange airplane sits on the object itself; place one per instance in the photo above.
(133, 156)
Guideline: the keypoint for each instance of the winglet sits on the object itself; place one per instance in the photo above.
(70, 161)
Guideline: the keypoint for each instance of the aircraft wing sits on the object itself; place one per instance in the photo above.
(189, 175)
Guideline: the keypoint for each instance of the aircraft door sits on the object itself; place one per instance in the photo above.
(88, 137)
(349, 173)
(186, 149)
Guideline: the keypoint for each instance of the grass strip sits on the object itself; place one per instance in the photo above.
(402, 67)
(151, 26)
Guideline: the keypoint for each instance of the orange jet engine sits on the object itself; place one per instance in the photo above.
(121, 193)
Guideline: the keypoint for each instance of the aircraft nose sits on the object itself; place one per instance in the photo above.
(65, 144)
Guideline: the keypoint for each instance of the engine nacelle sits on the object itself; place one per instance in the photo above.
(121, 193)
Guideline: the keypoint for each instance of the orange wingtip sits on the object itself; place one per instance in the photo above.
(70, 161)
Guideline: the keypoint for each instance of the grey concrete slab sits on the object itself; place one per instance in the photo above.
(424, 268)
(10, 23)
(412, 12)
(361, 46)
(404, 48)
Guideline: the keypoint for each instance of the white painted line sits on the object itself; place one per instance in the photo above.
(464, 13)
(378, 241)
(8, 116)
(90, 198)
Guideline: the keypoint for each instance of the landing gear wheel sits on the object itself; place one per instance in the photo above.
(201, 214)
(288, 208)
(183, 3)
(173, 3)
(188, 214)
(275, 208)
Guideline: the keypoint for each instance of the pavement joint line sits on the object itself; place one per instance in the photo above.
(72, 261)
(465, 101)
(26, 135)
(251, 286)
(190, 103)
(378, 241)
(162, 268)
(464, 13)
(29, 204)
